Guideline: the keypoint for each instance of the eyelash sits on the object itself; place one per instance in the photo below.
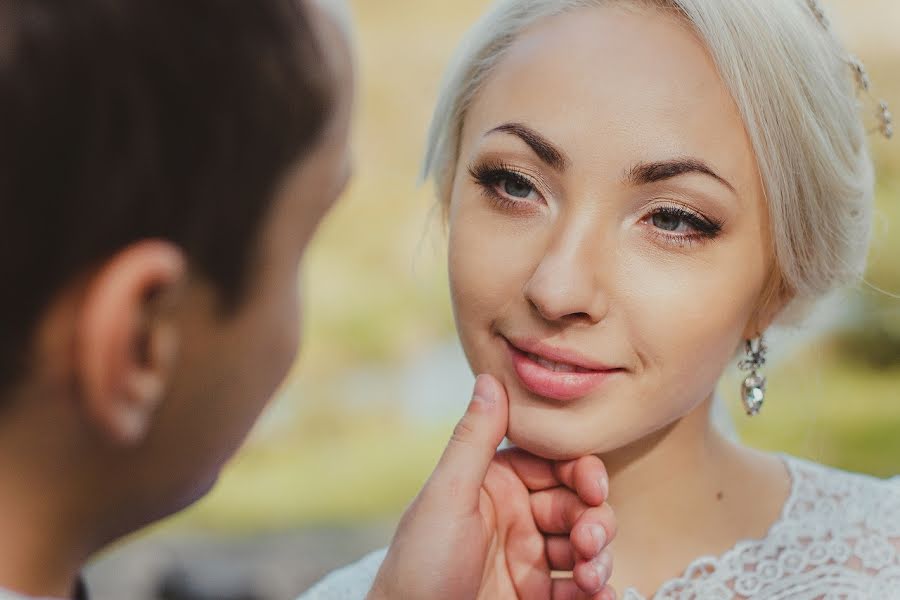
(705, 229)
(489, 176)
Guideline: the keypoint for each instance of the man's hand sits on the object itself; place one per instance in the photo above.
(493, 525)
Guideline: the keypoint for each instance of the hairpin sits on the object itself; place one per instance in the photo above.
(863, 83)
(817, 11)
(885, 120)
(859, 73)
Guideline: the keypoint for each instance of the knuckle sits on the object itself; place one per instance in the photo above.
(463, 432)
(608, 519)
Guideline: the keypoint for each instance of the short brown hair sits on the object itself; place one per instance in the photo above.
(123, 120)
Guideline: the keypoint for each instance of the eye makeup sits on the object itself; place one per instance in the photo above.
(504, 185)
(678, 225)
(507, 188)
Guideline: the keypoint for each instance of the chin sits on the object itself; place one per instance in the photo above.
(565, 431)
(163, 502)
(198, 490)
(544, 446)
(551, 432)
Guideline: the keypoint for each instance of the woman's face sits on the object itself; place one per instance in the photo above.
(608, 233)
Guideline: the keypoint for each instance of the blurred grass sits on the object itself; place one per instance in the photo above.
(377, 294)
(823, 408)
(366, 472)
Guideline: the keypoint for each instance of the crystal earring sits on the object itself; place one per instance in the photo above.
(753, 389)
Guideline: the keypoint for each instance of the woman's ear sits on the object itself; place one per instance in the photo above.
(126, 339)
(774, 298)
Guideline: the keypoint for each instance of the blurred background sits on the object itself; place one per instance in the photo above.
(362, 419)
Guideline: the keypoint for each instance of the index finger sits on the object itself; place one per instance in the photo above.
(535, 472)
(586, 476)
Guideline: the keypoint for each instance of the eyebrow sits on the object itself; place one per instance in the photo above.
(644, 173)
(544, 148)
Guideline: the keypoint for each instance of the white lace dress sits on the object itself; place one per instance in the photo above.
(838, 538)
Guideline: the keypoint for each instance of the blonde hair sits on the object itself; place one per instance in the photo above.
(790, 79)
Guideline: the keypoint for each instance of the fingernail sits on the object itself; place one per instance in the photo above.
(604, 487)
(602, 573)
(599, 535)
(603, 566)
(485, 390)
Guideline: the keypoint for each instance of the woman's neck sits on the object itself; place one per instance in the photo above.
(684, 492)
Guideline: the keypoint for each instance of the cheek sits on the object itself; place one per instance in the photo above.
(282, 338)
(299, 313)
(489, 263)
(268, 343)
(707, 305)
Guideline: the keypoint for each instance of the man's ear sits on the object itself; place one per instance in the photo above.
(126, 339)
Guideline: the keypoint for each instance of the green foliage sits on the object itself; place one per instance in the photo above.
(874, 336)
(365, 468)
(821, 407)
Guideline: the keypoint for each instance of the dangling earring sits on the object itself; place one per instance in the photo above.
(753, 389)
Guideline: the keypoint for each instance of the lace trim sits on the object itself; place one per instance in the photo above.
(837, 537)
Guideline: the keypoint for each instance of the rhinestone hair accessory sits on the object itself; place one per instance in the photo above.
(883, 114)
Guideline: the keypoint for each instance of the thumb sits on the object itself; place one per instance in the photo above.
(464, 464)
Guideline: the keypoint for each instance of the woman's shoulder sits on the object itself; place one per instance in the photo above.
(851, 518)
(842, 496)
(839, 532)
(348, 583)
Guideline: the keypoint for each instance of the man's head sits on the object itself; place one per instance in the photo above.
(163, 165)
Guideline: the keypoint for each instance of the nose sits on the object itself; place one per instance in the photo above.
(567, 284)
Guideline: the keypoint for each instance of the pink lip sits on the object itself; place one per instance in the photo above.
(557, 385)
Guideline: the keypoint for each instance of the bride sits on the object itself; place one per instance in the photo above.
(635, 192)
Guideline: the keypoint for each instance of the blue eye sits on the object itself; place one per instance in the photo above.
(679, 224)
(505, 187)
(667, 221)
(517, 187)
